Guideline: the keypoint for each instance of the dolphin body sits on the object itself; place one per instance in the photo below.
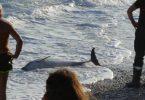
(44, 63)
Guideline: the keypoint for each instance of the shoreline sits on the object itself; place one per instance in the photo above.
(115, 89)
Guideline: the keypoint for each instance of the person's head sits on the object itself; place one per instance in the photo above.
(64, 85)
(1, 10)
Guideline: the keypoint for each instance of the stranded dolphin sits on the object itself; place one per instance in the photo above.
(46, 63)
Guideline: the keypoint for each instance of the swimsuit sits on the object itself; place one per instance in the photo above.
(5, 62)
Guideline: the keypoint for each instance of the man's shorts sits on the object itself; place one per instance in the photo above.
(5, 63)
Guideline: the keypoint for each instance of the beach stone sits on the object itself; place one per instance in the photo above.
(115, 89)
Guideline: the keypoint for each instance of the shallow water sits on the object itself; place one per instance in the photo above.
(67, 30)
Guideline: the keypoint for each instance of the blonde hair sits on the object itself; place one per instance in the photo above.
(64, 85)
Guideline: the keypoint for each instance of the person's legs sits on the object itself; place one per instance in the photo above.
(5, 67)
(3, 84)
(139, 47)
(137, 70)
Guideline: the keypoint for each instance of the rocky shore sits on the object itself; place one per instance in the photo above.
(115, 89)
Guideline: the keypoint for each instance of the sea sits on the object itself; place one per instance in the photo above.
(67, 30)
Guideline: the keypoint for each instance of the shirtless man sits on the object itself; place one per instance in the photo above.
(6, 29)
(139, 43)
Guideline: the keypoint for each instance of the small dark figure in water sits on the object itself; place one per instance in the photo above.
(94, 58)
(6, 30)
(139, 43)
(64, 85)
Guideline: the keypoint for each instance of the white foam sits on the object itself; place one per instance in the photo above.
(112, 2)
(15, 21)
(66, 30)
(114, 43)
(52, 10)
(93, 75)
(1, 7)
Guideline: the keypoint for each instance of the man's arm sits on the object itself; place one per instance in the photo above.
(18, 39)
(130, 15)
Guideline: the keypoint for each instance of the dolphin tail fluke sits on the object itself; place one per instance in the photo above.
(94, 58)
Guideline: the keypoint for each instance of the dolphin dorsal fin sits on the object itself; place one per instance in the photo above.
(45, 58)
(94, 58)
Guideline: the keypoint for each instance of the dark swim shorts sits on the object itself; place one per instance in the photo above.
(5, 62)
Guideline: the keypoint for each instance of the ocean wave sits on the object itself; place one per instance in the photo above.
(45, 8)
(93, 3)
(45, 11)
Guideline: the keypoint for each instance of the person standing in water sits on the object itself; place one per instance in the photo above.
(139, 43)
(6, 57)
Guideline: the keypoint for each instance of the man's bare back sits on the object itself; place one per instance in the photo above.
(6, 30)
(4, 35)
